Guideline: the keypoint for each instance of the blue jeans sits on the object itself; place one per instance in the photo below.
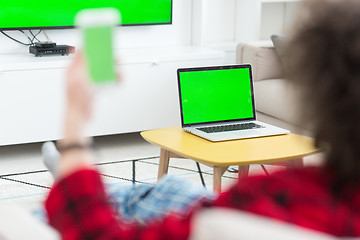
(143, 203)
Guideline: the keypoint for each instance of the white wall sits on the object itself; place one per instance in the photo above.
(216, 20)
(177, 34)
(277, 18)
(222, 24)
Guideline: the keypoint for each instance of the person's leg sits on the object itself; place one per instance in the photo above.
(50, 156)
(144, 202)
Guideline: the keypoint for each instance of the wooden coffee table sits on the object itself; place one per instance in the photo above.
(287, 150)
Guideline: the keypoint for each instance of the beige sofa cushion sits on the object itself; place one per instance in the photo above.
(263, 58)
(277, 98)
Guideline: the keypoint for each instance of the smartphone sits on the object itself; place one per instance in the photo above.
(97, 26)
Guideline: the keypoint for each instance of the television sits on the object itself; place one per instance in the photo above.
(59, 14)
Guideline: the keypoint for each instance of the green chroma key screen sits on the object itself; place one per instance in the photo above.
(43, 13)
(216, 95)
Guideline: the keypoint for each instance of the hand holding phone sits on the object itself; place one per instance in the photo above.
(97, 26)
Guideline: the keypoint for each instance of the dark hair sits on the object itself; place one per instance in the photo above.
(323, 58)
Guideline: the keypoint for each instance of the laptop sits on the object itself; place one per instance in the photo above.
(217, 103)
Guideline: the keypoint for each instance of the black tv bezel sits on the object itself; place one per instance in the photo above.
(74, 27)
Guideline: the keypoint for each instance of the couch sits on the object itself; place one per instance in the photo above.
(208, 224)
(274, 97)
(16, 223)
(221, 223)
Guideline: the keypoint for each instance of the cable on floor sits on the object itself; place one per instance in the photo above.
(201, 175)
(266, 172)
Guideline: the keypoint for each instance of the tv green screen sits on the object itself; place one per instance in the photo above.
(44, 14)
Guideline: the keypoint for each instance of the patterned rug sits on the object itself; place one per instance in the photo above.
(32, 187)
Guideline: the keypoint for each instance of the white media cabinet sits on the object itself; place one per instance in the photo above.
(32, 95)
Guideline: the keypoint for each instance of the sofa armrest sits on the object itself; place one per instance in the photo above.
(17, 223)
(261, 55)
(221, 223)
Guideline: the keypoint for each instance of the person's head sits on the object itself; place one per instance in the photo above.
(324, 60)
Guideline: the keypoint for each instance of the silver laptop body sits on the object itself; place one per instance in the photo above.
(217, 103)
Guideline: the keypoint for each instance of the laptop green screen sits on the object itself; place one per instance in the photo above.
(212, 94)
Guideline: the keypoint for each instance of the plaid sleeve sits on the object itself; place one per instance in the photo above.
(78, 208)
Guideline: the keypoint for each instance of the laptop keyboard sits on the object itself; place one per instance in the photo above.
(232, 127)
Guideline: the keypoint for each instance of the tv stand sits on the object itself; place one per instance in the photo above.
(32, 93)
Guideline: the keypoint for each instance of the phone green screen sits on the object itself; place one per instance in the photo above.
(98, 48)
(216, 95)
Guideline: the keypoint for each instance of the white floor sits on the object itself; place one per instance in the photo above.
(25, 181)
(24, 163)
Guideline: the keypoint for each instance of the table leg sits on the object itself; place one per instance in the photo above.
(295, 163)
(218, 172)
(299, 162)
(163, 163)
(243, 171)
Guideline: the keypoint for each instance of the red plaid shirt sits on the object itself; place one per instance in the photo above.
(77, 206)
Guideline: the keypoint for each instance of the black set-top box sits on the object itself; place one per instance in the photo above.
(41, 49)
